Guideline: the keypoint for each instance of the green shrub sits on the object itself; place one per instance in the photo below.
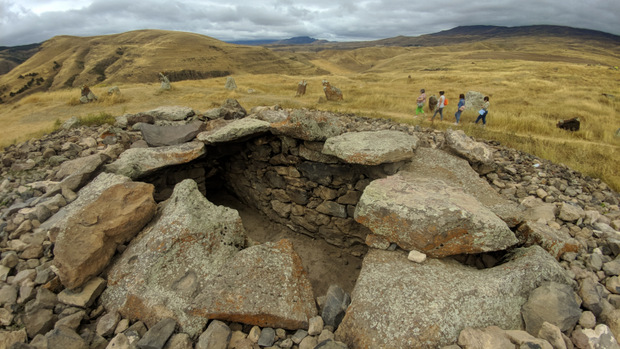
(97, 119)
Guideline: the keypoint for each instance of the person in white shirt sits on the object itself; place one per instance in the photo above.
(440, 105)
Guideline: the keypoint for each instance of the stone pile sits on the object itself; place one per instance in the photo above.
(108, 240)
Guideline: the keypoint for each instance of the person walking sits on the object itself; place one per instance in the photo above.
(420, 101)
(482, 114)
(440, 105)
(460, 108)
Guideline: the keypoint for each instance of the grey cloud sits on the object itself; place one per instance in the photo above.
(279, 19)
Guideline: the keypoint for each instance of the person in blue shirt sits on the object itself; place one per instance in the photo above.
(460, 108)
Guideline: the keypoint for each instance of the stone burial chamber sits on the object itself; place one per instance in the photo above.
(149, 224)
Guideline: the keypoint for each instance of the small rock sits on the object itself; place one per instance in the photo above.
(587, 319)
(267, 337)
(107, 324)
(315, 326)
(417, 257)
(217, 335)
(157, 336)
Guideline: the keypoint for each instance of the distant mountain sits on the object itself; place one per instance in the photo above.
(475, 33)
(251, 42)
(10, 57)
(298, 40)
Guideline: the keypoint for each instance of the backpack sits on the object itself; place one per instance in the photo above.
(445, 101)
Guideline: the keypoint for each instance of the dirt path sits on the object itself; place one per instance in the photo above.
(326, 264)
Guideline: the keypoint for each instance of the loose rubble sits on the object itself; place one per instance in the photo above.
(95, 222)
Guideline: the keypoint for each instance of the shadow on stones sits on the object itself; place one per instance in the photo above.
(483, 260)
(325, 263)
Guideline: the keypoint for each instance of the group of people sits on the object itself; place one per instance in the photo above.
(441, 103)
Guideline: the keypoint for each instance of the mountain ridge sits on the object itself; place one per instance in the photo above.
(138, 56)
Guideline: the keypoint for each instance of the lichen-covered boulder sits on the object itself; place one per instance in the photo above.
(431, 216)
(159, 136)
(371, 147)
(89, 240)
(479, 155)
(137, 162)
(438, 164)
(188, 264)
(400, 304)
(309, 125)
(237, 130)
(88, 194)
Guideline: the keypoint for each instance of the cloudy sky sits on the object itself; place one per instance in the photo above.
(32, 21)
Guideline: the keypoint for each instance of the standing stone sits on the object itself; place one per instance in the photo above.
(301, 88)
(165, 82)
(332, 93)
(230, 83)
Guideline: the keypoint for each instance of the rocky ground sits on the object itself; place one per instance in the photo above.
(37, 312)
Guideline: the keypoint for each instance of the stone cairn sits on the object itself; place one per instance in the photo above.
(301, 88)
(87, 95)
(108, 240)
(165, 83)
(230, 83)
(331, 93)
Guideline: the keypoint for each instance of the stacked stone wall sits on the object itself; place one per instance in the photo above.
(292, 183)
(287, 179)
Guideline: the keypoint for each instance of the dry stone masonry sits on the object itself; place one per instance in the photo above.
(109, 239)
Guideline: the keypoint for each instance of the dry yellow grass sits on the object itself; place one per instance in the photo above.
(528, 96)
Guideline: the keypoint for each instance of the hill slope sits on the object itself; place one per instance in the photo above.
(138, 56)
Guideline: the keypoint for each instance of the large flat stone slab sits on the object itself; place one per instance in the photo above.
(372, 147)
(171, 113)
(479, 155)
(431, 216)
(309, 125)
(137, 162)
(237, 130)
(88, 194)
(438, 164)
(159, 136)
(89, 240)
(188, 264)
(400, 304)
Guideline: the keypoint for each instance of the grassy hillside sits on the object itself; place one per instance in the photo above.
(532, 83)
(138, 57)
